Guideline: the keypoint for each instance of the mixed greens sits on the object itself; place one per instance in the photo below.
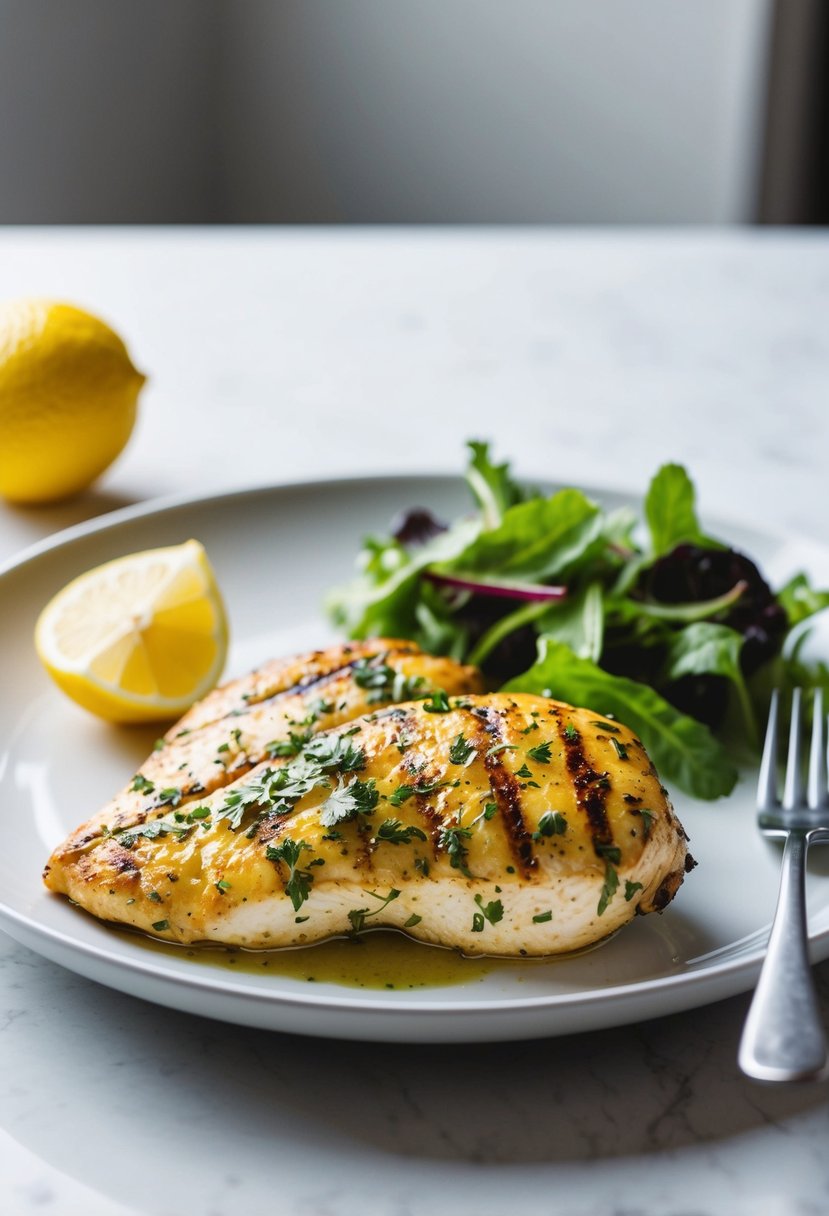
(651, 621)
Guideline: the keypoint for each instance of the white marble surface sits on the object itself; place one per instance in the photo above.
(287, 355)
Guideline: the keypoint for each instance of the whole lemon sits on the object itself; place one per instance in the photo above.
(68, 394)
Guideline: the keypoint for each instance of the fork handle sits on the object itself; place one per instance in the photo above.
(783, 1039)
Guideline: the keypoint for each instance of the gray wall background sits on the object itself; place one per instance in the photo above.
(583, 111)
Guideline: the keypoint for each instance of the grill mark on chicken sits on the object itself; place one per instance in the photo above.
(304, 686)
(320, 662)
(315, 682)
(431, 822)
(414, 770)
(268, 829)
(666, 890)
(506, 789)
(591, 789)
(364, 854)
(123, 862)
(391, 712)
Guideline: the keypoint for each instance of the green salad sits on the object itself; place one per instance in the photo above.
(647, 619)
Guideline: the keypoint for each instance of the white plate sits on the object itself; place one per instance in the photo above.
(276, 552)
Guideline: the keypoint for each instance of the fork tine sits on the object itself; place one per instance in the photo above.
(783, 1039)
(817, 756)
(767, 781)
(793, 787)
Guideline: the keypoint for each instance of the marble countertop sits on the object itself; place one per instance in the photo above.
(293, 354)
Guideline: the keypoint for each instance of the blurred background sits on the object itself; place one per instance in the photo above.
(439, 111)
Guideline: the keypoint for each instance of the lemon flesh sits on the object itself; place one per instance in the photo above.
(68, 396)
(138, 639)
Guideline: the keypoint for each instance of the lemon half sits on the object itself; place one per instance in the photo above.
(138, 639)
(68, 394)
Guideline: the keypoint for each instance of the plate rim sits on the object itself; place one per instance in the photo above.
(745, 966)
(399, 1005)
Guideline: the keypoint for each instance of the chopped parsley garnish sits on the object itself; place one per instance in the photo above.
(234, 745)
(631, 888)
(611, 730)
(159, 745)
(620, 749)
(413, 920)
(493, 912)
(502, 747)
(452, 841)
(359, 916)
(609, 888)
(161, 925)
(383, 683)
(570, 733)
(291, 746)
(177, 825)
(171, 796)
(461, 750)
(551, 823)
(402, 794)
(478, 923)
(140, 785)
(349, 801)
(523, 772)
(272, 790)
(437, 703)
(392, 831)
(223, 885)
(298, 885)
(611, 851)
(542, 918)
(541, 753)
(421, 789)
(422, 866)
(351, 758)
(647, 822)
(155, 897)
(490, 810)
(340, 753)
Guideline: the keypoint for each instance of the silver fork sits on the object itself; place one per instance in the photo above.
(783, 1039)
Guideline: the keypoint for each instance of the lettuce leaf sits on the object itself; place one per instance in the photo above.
(706, 648)
(492, 485)
(800, 600)
(383, 601)
(670, 510)
(535, 541)
(683, 750)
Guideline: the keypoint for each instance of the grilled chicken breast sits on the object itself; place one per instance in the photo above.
(271, 713)
(506, 824)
